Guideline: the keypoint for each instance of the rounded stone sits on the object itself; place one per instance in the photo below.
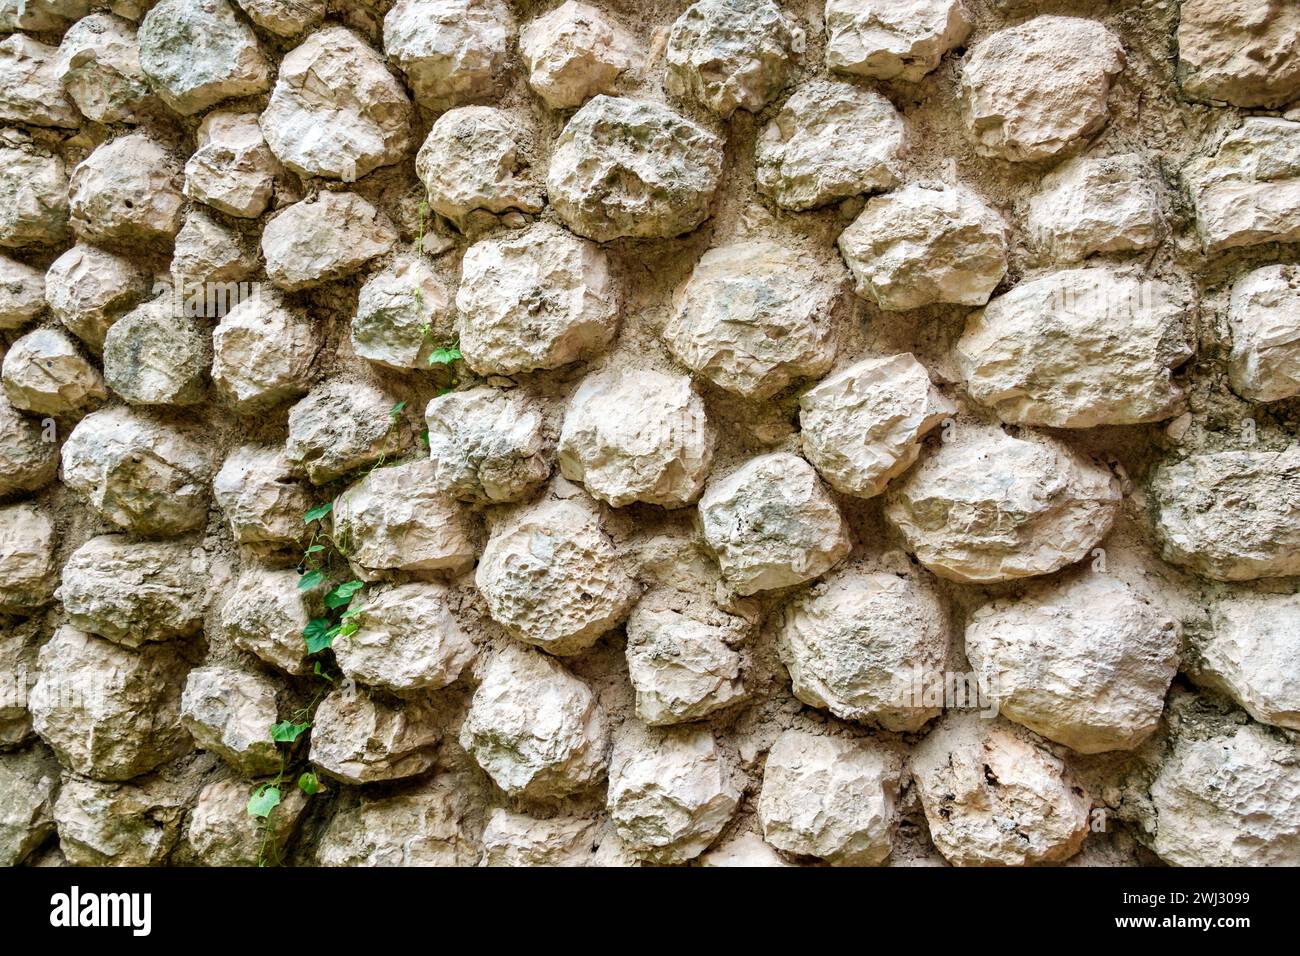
(320, 240)
(263, 353)
(285, 18)
(29, 783)
(114, 824)
(88, 289)
(1264, 315)
(265, 614)
(152, 356)
(1246, 192)
(29, 572)
(221, 832)
(197, 53)
(30, 91)
(209, 261)
(233, 170)
(487, 445)
(1249, 652)
(98, 65)
(1097, 204)
(574, 52)
(1240, 52)
(29, 457)
(452, 51)
(893, 39)
(263, 500)
(397, 308)
(44, 373)
(358, 738)
(127, 192)
(33, 193)
(339, 427)
(22, 294)
(229, 712)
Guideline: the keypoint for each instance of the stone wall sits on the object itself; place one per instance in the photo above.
(754, 433)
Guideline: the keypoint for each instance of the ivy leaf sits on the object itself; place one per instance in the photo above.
(315, 633)
(321, 673)
(445, 356)
(318, 512)
(309, 784)
(314, 548)
(424, 438)
(264, 799)
(342, 594)
(349, 627)
(286, 731)
(311, 579)
(396, 410)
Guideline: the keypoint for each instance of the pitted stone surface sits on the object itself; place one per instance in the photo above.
(452, 51)
(262, 498)
(263, 351)
(126, 192)
(358, 738)
(338, 427)
(893, 39)
(44, 373)
(1239, 51)
(1249, 652)
(22, 294)
(1264, 314)
(230, 712)
(574, 52)
(28, 570)
(88, 289)
(1247, 192)
(197, 53)
(1097, 204)
(395, 311)
(487, 445)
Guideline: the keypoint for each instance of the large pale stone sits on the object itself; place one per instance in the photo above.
(336, 111)
(328, 238)
(265, 614)
(1251, 652)
(396, 309)
(634, 168)
(771, 524)
(99, 66)
(926, 244)
(1264, 313)
(487, 445)
(30, 91)
(1097, 204)
(33, 192)
(222, 833)
(1229, 515)
(856, 644)
(432, 826)
(285, 18)
(144, 476)
(115, 824)
(197, 53)
(263, 352)
(513, 839)
(20, 640)
(358, 738)
(746, 850)
(339, 427)
(830, 797)
(994, 796)
(28, 570)
(681, 658)
(29, 782)
(637, 436)
(233, 170)
(108, 711)
(29, 457)
(893, 39)
(230, 712)
(574, 52)
(670, 794)
(1241, 52)
(209, 254)
(135, 592)
(1033, 91)
(45, 374)
(393, 519)
(863, 426)
(1078, 349)
(535, 300)
(1247, 192)
(88, 289)
(831, 140)
(537, 730)
(408, 640)
(452, 51)
(754, 316)
(152, 356)
(127, 192)
(552, 577)
(986, 506)
(40, 15)
(731, 54)
(22, 294)
(263, 501)
(1085, 662)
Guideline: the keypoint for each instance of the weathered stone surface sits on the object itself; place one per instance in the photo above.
(994, 796)
(681, 658)
(197, 53)
(986, 506)
(637, 436)
(29, 457)
(634, 168)
(830, 797)
(28, 571)
(1097, 204)
(30, 91)
(831, 140)
(1085, 662)
(1230, 800)
(20, 640)
(771, 524)
(285, 18)
(324, 239)
(755, 316)
(393, 519)
(263, 351)
(338, 427)
(29, 782)
(432, 826)
(127, 192)
(233, 170)
(476, 166)
(1229, 515)
(1239, 51)
(893, 39)
(1033, 91)
(538, 731)
(1247, 192)
(98, 65)
(574, 52)
(451, 51)
(1249, 652)
(537, 299)
(230, 712)
(40, 15)
(1079, 348)
(135, 592)
(358, 738)
(117, 824)
(409, 640)
(221, 832)
(863, 426)
(263, 501)
(747, 850)
(858, 643)
(145, 476)
(33, 192)
(926, 244)
(513, 839)
(395, 311)
(45, 374)
(670, 794)
(265, 614)
(22, 294)
(552, 577)
(1264, 313)
(336, 111)
(731, 54)
(88, 289)
(152, 356)
(108, 711)
(208, 252)
(486, 445)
